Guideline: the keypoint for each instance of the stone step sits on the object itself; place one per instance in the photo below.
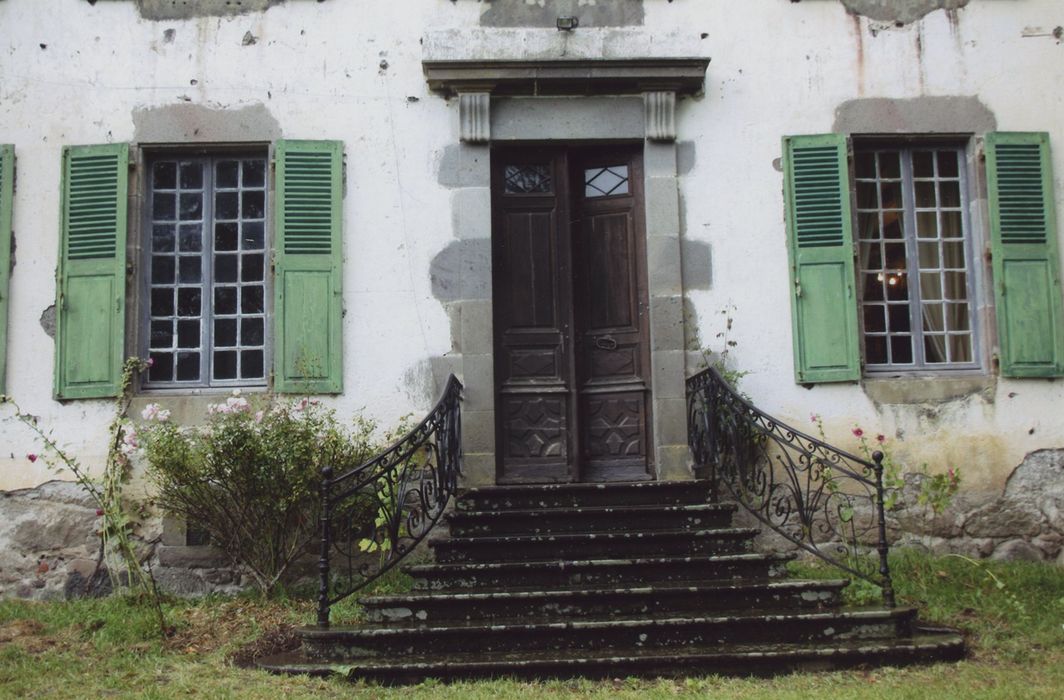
(597, 572)
(470, 523)
(618, 633)
(729, 659)
(583, 602)
(539, 496)
(590, 545)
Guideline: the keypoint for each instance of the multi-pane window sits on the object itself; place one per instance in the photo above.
(913, 258)
(206, 286)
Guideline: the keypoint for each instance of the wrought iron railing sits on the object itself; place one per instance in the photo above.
(822, 499)
(406, 488)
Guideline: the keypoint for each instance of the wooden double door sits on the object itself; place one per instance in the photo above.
(571, 323)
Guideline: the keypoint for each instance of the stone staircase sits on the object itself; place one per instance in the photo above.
(607, 580)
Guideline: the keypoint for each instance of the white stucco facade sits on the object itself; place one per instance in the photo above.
(75, 73)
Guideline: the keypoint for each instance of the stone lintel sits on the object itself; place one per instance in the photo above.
(567, 77)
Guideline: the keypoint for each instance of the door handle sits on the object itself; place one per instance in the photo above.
(605, 342)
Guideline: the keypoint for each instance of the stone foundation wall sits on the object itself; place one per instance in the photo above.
(50, 549)
(50, 546)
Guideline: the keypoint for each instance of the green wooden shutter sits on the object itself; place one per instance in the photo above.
(820, 239)
(307, 263)
(7, 189)
(91, 279)
(1026, 261)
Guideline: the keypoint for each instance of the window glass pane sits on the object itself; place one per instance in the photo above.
(225, 364)
(251, 332)
(864, 165)
(162, 302)
(930, 286)
(225, 237)
(958, 317)
(953, 255)
(960, 348)
(928, 255)
(874, 318)
(191, 176)
(188, 301)
(251, 364)
(254, 235)
(190, 238)
(190, 269)
(926, 224)
(934, 318)
(253, 205)
(898, 315)
(254, 172)
(952, 226)
(162, 238)
(893, 227)
(935, 348)
(889, 164)
(225, 268)
(162, 334)
(251, 300)
(162, 367)
(164, 206)
(923, 164)
(527, 179)
(226, 174)
(890, 195)
(948, 164)
(871, 256)
(867, 197)
(896, 284)
(225, 300)
(188, 334)
(164, 175)
(226, 205)
(251, 268)
(873, 287)
(901, 349)
(949, 193)
(924, 194)
(604, 182)
(162, 269)
(188, 366)
(225, 332)
(876, 350)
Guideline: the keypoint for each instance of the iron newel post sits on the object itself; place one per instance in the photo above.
(323, 561)
(884, 548)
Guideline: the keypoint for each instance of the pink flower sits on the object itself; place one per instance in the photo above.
(814, 417)
(857, 432)
(99, 512)
(150, 362)
(258, 416)
(31, 457)
(150, 411)
(881, 438)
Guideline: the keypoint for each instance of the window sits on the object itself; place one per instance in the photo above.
(913, 258)
(892, 262)
(210, 312)
(207, 288)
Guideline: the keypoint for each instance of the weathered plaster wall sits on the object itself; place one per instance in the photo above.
(414, 209)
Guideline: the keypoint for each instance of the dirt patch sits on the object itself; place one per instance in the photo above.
(203, 629)
(277, 640)
(28, 634)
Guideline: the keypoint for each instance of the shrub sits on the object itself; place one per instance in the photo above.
(250, 477)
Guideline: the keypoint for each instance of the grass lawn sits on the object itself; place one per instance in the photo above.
(1013, 615)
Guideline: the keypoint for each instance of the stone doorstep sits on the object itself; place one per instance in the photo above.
(730, 659)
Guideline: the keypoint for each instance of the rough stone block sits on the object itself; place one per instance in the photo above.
(663, 206)
(478, 431)
(471, 207)
(659, 159)
(673, 463)
(670, 422)
(479, 380)
(664, 266)
(668, 374)
(1016, 550)
(478, 469)
(666, 323)
(477, 338)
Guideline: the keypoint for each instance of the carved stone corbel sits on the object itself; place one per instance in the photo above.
(660, 106)
(474, 116)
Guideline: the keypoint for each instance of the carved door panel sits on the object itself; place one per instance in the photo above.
(571, 351)
(611, 337)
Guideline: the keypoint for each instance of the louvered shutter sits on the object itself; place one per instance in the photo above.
(7, 188)
(820, 240)
(307, 262)
(91, 280)
(1026, 261)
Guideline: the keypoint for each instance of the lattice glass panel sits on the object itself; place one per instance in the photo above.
(534, 178)
(605, 182)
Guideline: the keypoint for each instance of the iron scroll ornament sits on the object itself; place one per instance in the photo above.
(824, 500)
(408, 485)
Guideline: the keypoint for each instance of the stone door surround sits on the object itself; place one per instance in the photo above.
(585, 100)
